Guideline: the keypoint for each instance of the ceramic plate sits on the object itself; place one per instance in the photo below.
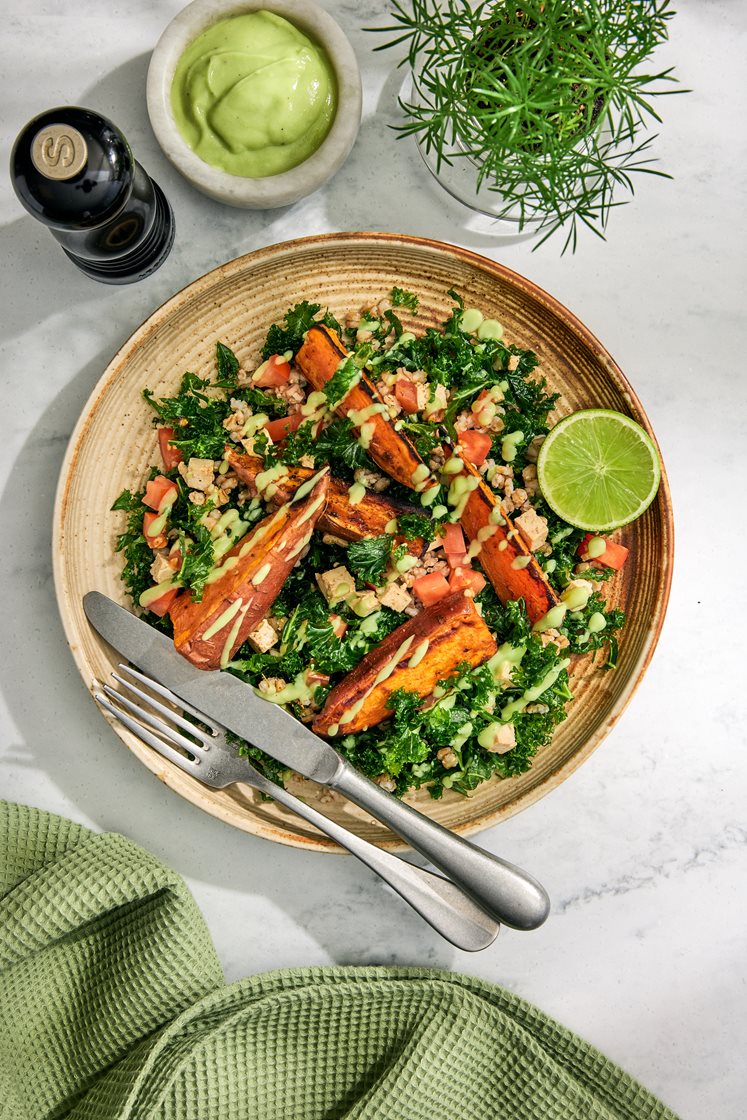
(114, 443)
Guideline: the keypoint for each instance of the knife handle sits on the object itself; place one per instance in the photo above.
(501, 889)
(442, 904)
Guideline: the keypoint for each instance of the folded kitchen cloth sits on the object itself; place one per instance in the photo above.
(113, 1007)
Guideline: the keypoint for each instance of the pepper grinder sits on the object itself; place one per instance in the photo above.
(74, 171)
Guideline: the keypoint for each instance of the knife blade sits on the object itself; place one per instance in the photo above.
(501, 889)
(214, 692)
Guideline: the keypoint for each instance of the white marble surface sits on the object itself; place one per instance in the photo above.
(644, 849)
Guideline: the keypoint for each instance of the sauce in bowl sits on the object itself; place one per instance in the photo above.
(253, 95)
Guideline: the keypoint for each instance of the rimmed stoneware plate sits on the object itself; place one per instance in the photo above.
(114, 443)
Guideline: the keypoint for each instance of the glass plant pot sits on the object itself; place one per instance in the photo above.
(459, 175)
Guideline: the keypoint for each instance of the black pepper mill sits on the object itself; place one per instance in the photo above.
(74, 171)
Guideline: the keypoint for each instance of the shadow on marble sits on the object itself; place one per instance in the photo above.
(339, 904)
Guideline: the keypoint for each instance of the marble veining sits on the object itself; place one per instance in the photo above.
(643, 849)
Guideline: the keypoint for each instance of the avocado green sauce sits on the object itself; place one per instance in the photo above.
(253, 95)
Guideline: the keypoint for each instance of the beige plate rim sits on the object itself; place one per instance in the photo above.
(171, 775)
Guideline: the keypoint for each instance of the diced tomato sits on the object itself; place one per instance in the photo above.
(157, 541)
(454, 546)
(475, 446)
(614, 555)
(160, 493)
(406, 393)
(429, 589)
(453, 538)
(275, 371)
(161, 605)
(170, 455)
(457, 560)
(339, 625)
(277, 430)
(466, 579)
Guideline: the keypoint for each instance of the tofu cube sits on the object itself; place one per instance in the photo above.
(533, 529)
(498, 738)
(199, 474)
(394, 596)
(336, 584)
(160, 569)
(262, 637)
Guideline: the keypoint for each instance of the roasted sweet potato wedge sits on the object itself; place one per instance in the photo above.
(509, 564)
(318, 360)
(208, 633)
(416, 656)
(341, 518)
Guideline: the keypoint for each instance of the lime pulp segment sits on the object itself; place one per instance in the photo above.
(598, 469)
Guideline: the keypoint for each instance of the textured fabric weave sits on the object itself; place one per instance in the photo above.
(113, 1007)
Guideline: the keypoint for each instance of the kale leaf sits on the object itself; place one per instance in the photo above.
(228, 367)
(298, 319)
(400, 297)
(196, 417)
(368, 558)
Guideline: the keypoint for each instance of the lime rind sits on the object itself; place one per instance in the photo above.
(598, 470)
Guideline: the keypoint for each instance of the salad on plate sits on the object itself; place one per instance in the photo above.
(354, 525)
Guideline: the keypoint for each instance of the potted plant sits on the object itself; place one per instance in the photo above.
(534, 111)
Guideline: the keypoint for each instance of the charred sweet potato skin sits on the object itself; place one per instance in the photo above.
(455, 633)
(198, 634)
(318, 359)
(367, 518)
(500, 552)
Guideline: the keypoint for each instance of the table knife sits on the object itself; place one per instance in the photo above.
(501, 889)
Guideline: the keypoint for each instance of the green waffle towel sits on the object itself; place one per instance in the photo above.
(113, 1007)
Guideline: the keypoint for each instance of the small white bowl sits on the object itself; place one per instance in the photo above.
(272, 190)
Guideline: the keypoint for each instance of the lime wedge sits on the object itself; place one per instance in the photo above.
(598, 469)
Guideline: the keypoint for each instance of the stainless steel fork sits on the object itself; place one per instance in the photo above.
(208, 756)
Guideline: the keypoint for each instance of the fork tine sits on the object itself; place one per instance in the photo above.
(169, 733)
(169, 713)
(172, 698)
(189, 765)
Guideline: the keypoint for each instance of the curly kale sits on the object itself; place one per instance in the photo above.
(196, 417)
(298, 320)
(369, 557)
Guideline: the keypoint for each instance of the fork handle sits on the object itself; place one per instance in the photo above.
(501, 889)
(442, 904)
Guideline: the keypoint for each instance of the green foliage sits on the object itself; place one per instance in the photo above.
(272, 405)
(341, 382)
(138, 556)
(368, 558)
(297, 321)
(575, 627)
(338, 446)
(400, 297)
(228, 367)
(293, 448)
(412, 525)
(546, 98)
(196, 417)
